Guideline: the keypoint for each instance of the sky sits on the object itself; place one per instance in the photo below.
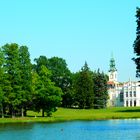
(76, 30)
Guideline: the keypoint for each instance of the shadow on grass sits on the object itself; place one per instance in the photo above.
(129, 110)
(34, 116)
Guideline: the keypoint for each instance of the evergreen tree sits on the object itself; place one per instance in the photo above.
(12, 87)
(137, 44)
(84, 88)
(2, 97)
(26, 81)
(100, 90)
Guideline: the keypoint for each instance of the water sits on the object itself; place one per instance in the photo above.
(76, 130)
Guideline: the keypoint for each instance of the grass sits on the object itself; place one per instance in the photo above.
(78, 114)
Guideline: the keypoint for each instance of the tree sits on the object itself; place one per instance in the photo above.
(25, 81)
(100, 90)
(2, 98)
(46, 96)
(42, 60)
(84, 88)
(62, 78)
(136, 44)
(12, 74)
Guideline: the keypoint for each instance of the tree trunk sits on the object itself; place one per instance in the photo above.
(22, 112)
(2, 112)
(13, 113)
(25, 112)
(42, 112)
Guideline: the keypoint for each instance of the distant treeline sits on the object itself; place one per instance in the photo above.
(46, 84)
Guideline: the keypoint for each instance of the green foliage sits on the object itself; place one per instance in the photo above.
(42, 60)
(84, 88)
(2, 97)
(100, 90)
(12, 76)
(136, 44)
(62, 78)
(46, 96)
(45, 85)
(26, 77)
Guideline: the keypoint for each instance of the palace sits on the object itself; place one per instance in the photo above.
(125, 94)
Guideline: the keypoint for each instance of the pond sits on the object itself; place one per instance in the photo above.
(76, 130)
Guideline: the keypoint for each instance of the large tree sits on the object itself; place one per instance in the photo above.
(84, 88)
(25, 74)
(136, 44)
(12, 87)
(100, 90)
(2, 97)
(62, 78)
(46, 95)
(42, 60)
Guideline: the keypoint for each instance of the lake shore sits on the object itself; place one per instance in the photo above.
(64, 114)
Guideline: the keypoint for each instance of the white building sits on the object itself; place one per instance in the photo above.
(122, 94)
(131, 92)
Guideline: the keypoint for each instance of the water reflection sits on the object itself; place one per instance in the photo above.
(16, 126)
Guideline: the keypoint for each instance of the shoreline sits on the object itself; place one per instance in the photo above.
(17, 120)
(65, 114)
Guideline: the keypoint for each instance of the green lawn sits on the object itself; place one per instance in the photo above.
(79, 114)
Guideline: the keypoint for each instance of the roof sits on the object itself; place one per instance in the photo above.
(110, 83)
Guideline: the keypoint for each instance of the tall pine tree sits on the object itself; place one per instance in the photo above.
(26, 78)
(84, 88)
(136, 44)
(2, 97)
(100, 90)
(12, 72)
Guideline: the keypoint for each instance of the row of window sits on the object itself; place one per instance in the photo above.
(130, 94)
(134, 104)
(131, 91)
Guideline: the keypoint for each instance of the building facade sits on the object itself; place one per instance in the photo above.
(125, 94)
(131, 91)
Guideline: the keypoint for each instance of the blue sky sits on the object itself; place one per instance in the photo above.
(76, 30)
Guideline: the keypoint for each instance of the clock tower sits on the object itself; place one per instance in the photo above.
(112, 71)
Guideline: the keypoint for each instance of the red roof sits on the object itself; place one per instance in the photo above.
(110, 83)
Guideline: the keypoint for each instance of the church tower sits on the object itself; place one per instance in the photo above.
(112, 71)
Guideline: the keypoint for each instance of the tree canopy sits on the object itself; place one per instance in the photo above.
(100, 90)
(136, 44)
(46, 84)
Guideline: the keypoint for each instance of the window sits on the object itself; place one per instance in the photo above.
(134, 93)
(126, 94)
(130, 93)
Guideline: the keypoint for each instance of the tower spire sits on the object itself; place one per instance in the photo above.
(112, 70)
(112, 64)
